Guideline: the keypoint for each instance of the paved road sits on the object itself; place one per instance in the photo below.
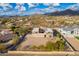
(73, 41)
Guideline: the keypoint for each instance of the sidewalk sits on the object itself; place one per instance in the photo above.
(50, 53)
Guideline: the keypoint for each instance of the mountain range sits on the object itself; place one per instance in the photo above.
(63, 13)
(26, 9)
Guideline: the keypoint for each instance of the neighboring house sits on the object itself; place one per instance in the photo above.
(76, 31)
(49, 30)
(5, 31)
(70, 30)
(42, 32)
(35, 30)
(6, 35)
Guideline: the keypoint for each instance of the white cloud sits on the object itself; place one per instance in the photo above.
(20, 7)
(56, 4)
(48, 10)
(47, 4)
(5, 6)
(74, 7)
(51, 4)
(50, 7)
(7, 9)
(31, 5)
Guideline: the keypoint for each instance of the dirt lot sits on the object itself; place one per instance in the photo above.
(32, 40)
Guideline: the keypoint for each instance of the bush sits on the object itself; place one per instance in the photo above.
(2, 47)
(15, 40)
(41, 47)
(58, 46)
(77, 37)
(50, 46)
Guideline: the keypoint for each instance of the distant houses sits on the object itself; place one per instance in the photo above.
(70, 30)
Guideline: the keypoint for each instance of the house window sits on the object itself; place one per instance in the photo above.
(72, 32)
(41, 30)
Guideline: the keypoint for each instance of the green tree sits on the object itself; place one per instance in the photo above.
(13, 28)
(60, 45)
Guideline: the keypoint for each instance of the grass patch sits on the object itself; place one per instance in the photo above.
(77, 37)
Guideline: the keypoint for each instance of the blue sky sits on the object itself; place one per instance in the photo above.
(11, 9)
